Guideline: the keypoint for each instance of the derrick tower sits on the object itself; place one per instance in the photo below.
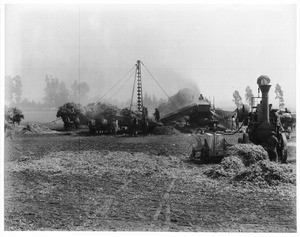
(139, 87)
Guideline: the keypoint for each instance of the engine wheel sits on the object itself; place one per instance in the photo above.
(246, 138)
(282, 148)
(283, 155)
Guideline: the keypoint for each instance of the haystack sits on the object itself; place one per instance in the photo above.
(38, 128)
(250, 163)
(248, 153)
(229, 167)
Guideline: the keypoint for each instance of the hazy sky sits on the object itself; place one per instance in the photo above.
(217, 48)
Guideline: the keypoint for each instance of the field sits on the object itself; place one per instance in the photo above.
(78, 182)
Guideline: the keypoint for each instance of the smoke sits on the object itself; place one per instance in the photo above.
(181, 99)
(168, 82)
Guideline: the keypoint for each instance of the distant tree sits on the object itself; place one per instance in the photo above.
(237, 99)
(249, 95)
(13, 89)
(279, 96)
(39, 105)
(79, 92)
(155, 101)
(147, 99)
(56, 92)
(13, 115)
(25, 104)
(161, 101)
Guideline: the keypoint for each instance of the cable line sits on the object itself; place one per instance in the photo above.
(115, 84)
(133, 90)
(122, 85)
(159, 85)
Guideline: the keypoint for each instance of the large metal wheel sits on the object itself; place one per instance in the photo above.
(246, 138)
(283, 155)
(282, 148)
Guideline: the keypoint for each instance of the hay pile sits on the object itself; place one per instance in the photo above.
(250, 163)
(37, 129)
(248, 153)
(229, 167)
(266, 171)
(165, 130)
(31, 128)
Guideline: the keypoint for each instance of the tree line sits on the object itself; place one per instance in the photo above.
(237, 99)
(56, 94)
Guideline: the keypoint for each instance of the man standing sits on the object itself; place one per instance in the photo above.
(156, 115)
(232, 122)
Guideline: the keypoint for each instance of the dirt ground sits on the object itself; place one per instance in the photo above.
(77, 182)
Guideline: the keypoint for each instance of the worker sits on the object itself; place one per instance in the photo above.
(270, 107)
(156, 115)
(232, 122)
(287, 111)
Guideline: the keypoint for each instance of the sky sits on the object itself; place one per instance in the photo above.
(217, 48)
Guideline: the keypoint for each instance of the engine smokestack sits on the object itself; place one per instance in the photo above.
(265, 102)
(263, 82)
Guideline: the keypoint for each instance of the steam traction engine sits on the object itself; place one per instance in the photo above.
(264, 126)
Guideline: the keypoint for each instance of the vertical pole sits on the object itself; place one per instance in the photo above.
(139, 87)
(133, 88)
(265, 103)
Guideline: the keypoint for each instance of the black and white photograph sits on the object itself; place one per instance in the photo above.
(153, 118)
